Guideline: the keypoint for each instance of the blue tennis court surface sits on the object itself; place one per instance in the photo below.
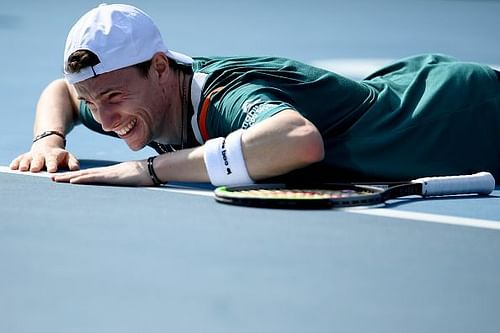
(117, 259)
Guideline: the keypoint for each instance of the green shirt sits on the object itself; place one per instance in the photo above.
(422, 116)
(257, 88)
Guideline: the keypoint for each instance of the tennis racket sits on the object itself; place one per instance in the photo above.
(349, 195)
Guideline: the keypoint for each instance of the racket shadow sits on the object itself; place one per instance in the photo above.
(393, 203)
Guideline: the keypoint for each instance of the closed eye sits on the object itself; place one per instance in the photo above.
(115, 97)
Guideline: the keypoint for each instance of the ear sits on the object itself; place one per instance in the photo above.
(160, 65)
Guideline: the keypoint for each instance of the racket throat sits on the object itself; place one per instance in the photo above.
(404, 190)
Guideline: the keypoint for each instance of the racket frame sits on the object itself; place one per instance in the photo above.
(373, 195)
(482, 183)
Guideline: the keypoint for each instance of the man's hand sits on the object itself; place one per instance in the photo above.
(41, 155)
(133, 173)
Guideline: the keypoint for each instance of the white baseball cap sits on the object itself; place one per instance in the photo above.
(120, 36)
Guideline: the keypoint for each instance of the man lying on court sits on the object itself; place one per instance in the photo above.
(238, 120)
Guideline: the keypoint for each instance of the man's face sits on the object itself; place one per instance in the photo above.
(125, 102)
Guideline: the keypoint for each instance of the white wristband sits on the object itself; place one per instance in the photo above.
(225, 162)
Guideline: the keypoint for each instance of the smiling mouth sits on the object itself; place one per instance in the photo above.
(127, 128)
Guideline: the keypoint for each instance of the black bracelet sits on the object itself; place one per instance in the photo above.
(152, 172)
(48, 133)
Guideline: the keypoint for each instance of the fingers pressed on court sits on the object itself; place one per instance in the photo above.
(66, 177)
(51, 163)
(84, 179)
(14, 165)
(25, 163)
(73, 163)
(60, 178)
(37, 163)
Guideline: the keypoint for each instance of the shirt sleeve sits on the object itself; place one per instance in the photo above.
(242, 107)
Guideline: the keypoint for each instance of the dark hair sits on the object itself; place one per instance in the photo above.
(85, 58)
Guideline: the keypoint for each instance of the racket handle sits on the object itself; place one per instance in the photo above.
(481, 183)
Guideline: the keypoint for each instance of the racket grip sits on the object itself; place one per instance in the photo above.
(481, 183)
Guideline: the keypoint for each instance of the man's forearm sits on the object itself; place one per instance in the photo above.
(55, 114)
(274, 147)
(56, 109)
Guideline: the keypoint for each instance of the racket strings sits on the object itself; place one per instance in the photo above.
(280, 193)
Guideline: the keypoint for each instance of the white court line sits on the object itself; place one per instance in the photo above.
(383, 212)
(183, 189)
(44, 174)
(427, 217)
(168, 188)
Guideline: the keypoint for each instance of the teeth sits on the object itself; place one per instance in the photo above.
(127, 128)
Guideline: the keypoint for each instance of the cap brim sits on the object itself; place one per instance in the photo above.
(179, 57)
